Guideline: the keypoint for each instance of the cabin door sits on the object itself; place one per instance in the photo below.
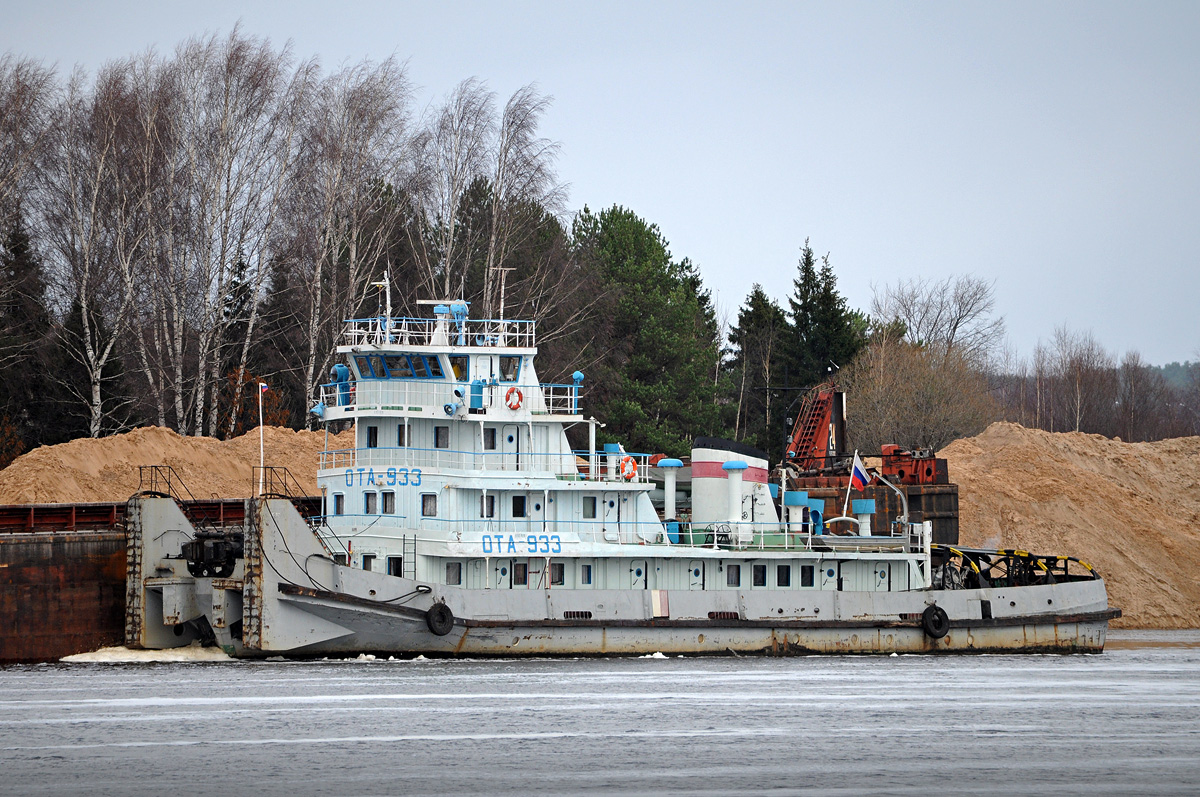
(476, 570)
(502, 574)
(510, 446)
(827, 574)
(612, 517)
(695, 574)
(637, 574)
(881, 577)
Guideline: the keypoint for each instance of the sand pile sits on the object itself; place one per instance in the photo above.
(107, 469)
(1131, 510)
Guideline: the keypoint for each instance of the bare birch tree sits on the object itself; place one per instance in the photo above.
(950, 315)
(27, 93)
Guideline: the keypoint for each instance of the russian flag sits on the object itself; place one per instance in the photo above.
(858, 474)
(262, 387)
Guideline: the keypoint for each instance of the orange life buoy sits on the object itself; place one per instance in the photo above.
(628, 467)
(513, 398)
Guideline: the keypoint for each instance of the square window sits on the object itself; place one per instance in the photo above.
(368, 503)
(783, 576)
(340, 558)
(489, 438)
(558, 573)
(372, 437)
(585, 574)
(395, 565)
(368, 561)
(518, 506)
(510, 367)
(429, 504)
(441, 437)
(377, 366)
(760, 575)
(458, 364)
(733, 575)
(589, 507)
(339, 504)
(435, 367)
(806, 575)
(419, 370)
(520, 573)
(400, 435)
(389, 503)
(364, 367)
(454, 573)
(487, 506)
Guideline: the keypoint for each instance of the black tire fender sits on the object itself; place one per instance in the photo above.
(440, 619)
(935, 621)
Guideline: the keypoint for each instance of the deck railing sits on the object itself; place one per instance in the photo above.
(369, 395)
(572, 465)
(477, 333)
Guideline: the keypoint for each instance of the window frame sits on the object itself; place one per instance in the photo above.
(387, 502)
(783, 575)
(558, 574)
(808, 575)
(372, 437)
(428, 501)
(733, 575)
(521, 568)
(524, 504)
(487, 506)
(339, 503)
(370, 502)
(594, 507)
(454, 573)
(758, 575)
(441, 437)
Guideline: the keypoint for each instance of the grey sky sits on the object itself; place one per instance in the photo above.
(1054, 148)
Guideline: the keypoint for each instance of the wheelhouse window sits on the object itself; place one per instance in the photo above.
(520, 574)
(733, 575)
(487, 506)
(398, 366)
(388, 502)
(419, 369)
(458, 364)
(364, 367)
(454, 573)
(589, 507)
(783, 576)
(558, 574)
(441, 437)
(518, 506)
(377, 366)
(435, 367)
(760, 575)
(489, 438)
(510, 368)
(339, 504)
(372, 437)
(429, 504)
(369, 503)
(368, 561)
(807, 573)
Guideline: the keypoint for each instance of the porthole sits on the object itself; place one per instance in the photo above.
(612, 503)
(504, 571)
(829, 572)
(638, 572)
(696, 572)
(510, 438)
(537, 507)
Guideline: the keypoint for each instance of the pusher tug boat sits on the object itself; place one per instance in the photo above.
(463, 524)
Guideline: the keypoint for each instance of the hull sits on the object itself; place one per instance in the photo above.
(288, 597)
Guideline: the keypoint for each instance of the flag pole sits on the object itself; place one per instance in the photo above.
(260, 439)
(850, 483)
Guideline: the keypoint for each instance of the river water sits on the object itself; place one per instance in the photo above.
(1124, 722)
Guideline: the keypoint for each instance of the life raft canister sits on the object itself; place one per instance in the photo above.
(628, 467)
(513, 398)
